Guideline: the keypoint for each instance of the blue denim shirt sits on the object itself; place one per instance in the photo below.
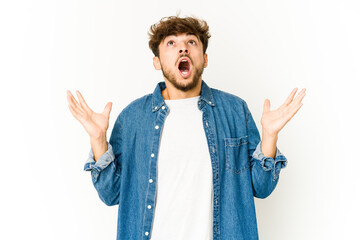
(125, 175)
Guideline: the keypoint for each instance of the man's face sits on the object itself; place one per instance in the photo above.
(181, 60)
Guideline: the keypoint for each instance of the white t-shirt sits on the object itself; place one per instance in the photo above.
(184, 195)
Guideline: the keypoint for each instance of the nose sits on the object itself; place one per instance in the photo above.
(183, 49)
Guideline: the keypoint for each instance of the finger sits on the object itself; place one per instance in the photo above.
(266, 105)
(294, 111)
(107, 109)
(82, 101)
(73, 102)
(298, 98)
(75, 113)
(290, 97)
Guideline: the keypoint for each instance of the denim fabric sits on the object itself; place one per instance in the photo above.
(126, 174)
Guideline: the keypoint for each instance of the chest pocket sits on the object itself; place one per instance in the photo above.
(236, 151)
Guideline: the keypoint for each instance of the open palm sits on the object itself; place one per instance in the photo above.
(95, 124)
(273, 121)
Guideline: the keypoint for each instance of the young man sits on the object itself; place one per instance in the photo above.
(186, 161)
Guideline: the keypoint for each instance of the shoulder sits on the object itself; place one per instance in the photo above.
(223, 98)
(137, 108)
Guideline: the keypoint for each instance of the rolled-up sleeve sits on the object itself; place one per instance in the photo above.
(270, 164)
(107, 158)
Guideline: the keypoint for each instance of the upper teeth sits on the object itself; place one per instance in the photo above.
(184, 60)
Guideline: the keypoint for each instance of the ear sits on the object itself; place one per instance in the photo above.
(205, 60)
(156, 63)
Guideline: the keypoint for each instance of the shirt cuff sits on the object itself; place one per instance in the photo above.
(107, 158)
(268, 163)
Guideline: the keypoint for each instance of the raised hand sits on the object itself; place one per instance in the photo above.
(95, 124)
(273, 121)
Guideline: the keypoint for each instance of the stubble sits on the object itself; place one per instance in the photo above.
(183, 86)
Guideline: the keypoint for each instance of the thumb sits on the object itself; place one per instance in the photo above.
(107, 109)
(266, 105)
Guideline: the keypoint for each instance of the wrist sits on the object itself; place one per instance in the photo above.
(269, 135)
(268, 144)
(99, 146)
(101, 138)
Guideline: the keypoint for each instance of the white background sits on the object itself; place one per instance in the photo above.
(259, 49)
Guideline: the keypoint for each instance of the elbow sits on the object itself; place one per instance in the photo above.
(109, 194)
(262, 194)
(262, 189)
(109, 201)
(107, 185)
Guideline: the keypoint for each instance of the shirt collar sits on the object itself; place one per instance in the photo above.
(158, 100)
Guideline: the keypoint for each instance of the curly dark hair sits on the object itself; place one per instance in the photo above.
(174, 25)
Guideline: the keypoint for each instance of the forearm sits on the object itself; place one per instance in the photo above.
(268, 144)
(105, 173)
(99, 146)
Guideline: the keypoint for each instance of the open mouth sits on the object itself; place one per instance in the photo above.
(184, 67)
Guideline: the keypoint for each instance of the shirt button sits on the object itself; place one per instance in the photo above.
(149, 206)
(163, 107)
(155, 108)
(210, 102)
(156, 127)
(146, 233)
(213, 149)
(152, 155)
(150, 180)
(207, 124)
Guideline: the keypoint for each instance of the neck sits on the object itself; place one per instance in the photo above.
(172, 93)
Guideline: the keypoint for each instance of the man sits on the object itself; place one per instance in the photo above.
(186, 161)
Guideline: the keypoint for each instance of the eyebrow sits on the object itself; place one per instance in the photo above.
(192, 34)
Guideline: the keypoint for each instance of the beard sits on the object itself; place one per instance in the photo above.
(184, 86)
